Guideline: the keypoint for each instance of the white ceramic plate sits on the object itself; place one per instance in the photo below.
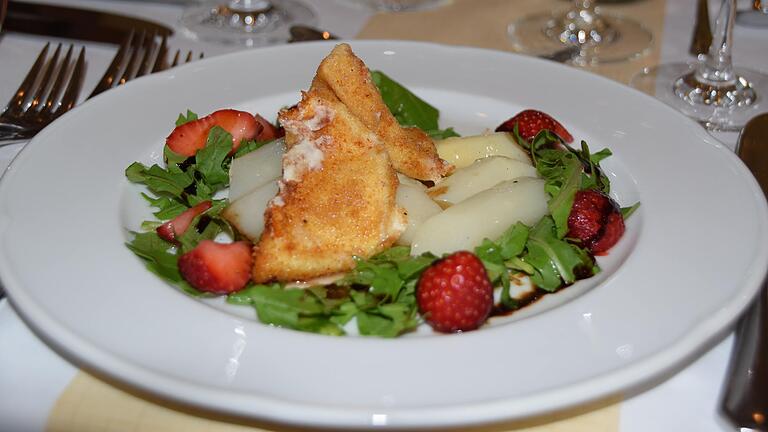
(691, 260)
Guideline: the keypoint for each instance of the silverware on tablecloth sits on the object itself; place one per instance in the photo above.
(702, 32)
(76, 23)
(745, 396)
(27, 114)
(49, 90)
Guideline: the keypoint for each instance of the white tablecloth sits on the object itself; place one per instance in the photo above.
(32, 376)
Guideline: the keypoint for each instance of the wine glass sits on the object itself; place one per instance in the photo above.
(600, 37)
(246, 22)
(711, 91)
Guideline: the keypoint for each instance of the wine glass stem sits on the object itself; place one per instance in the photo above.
(717, 68)
(250, 5)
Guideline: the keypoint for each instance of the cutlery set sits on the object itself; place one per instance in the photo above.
(52, 86)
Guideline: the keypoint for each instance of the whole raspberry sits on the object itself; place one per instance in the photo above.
(595, 221)
(455, 294)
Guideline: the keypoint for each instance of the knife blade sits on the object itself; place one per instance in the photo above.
(75, 23)
(745, 397)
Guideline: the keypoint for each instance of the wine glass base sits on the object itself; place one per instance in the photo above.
(539, 35)
(398, 5)
(214, 21)
(668, 84)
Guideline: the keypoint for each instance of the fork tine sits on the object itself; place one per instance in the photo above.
(73, 88)
(189, 57)
(16, 104)
(149, 49)
(175, 61)
(134, 58)
(113, 70)
(161, 57)
(43, 85)
(61, 75)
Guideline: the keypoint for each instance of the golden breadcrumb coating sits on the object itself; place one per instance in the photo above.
(336, 199)
(411, 150)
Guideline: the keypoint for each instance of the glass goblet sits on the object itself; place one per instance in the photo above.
(601, 38)
(246, 22)
(711, 91)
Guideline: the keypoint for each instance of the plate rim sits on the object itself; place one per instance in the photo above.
(660, 363)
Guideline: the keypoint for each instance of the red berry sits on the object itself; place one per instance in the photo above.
(530, 122)
(454, 294)
(267, 131)
(190, 137)
(178, 225)
(595, 221)
(217, 267)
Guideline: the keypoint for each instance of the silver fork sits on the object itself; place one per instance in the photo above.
(50, 89)
(138, 55)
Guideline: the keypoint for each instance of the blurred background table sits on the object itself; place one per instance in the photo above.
(39, 390)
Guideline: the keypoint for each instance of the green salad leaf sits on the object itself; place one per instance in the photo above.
(409, 109)
(379, 294)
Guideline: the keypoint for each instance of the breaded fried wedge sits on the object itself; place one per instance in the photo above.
(411, 150)
(336, 199)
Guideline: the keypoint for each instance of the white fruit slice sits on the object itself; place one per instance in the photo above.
(247, 213)
(419, 208)
(255, 169)
(408, 181)
(485, 215)
(463, 151)
(481, 175)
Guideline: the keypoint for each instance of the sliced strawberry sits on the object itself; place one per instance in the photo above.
(530, 122)
(190, 137)
(217, 267)
(595, 221)
(178, 225)
(268, 131)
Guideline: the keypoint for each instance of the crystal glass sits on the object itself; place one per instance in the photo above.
(398, 5)
(246, 22)
(600, 37)
(711, 90)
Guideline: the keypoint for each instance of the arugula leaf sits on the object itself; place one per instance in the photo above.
(168, 208)
(186, 118)
(248, 146)
(626, 212)
(159, 181)
(409, 109)
(438, 134)
(210, 159)
(555, 260)
(160, 259)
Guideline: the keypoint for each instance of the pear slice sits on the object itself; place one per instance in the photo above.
(255, 169)
(247, 212)
(418, 206)
(481, 175)
(485, 215)
(463, 151)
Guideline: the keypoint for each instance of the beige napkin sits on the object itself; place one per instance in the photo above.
(483, 23)
(91, 405)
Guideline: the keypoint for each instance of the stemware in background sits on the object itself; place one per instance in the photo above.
(398, 5)
(710, 91)
(600, 37)
(246, 22)
(757, 16)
